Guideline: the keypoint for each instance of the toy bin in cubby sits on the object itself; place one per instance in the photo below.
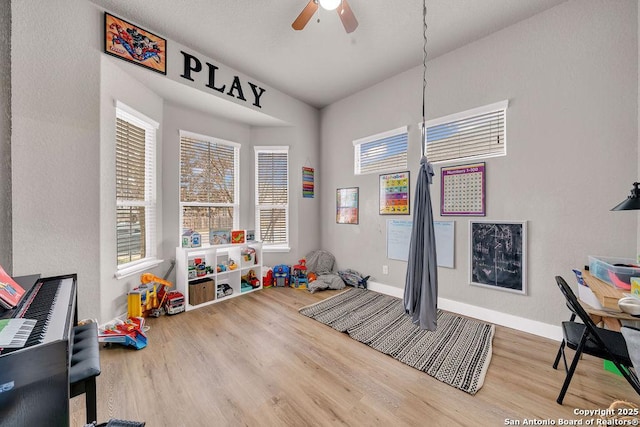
(201, 291)
(616, 272)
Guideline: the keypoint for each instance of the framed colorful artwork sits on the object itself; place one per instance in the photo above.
(219, 237)
(394, 193)
(134, 44)
(347, 205)
(462, 190)
(237, 236)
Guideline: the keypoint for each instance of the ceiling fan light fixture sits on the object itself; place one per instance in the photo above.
(330, 4)
(345, 13)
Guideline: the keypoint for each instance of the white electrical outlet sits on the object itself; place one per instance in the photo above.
(385, 269)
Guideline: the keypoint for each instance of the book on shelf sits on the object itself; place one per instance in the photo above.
(10, 291)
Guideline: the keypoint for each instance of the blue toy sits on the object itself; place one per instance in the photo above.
(281, 275)
(299, 275)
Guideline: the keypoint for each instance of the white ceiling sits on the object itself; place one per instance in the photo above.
(322, 64)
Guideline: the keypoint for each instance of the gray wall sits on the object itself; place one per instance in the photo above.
(55, 143)
(571, 77)
(62, 158)
(117, 85)
(5, 134)
(304, 214)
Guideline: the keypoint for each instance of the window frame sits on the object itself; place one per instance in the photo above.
(464, 115)
(236, 180)
(150, 203)
(357, 152)
(266, 246)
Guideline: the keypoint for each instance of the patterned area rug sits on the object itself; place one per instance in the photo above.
(457, 353)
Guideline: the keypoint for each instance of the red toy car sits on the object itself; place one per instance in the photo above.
(173, 302)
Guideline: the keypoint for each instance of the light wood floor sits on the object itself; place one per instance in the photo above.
(255, 361)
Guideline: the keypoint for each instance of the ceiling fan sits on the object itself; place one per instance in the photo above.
(341, 6)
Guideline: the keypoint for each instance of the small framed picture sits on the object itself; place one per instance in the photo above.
(219, 237)
(394, 193)
(237, 236)
(134, 44)
(347, 205)
(250, 235)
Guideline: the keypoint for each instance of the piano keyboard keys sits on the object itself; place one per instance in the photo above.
(41, 305)
(15, 332)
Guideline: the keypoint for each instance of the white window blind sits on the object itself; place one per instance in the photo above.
(272, 195)
(381, 152)
(135, 187)
(472, 134)
(209, 177)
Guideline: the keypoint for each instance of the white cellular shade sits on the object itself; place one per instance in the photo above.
(381, 152)
(272, 195)
(473, 134)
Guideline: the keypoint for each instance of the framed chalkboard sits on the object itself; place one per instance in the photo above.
(498, 254)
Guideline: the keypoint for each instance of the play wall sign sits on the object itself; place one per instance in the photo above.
(212, 78)
(142, 47)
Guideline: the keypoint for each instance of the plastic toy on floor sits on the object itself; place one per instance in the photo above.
(152, 298)
(172, 302)
(267, 279)
(299, 275)
(128, 333)
(281, 275)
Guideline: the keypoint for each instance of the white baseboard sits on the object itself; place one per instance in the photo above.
(534, 327)
(385, 289)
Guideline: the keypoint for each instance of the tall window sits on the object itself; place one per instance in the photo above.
(135, 187)
(468, 135)
(272, 195)
(209, 190)
(382, 152)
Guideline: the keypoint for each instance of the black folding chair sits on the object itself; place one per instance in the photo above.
(587, 338)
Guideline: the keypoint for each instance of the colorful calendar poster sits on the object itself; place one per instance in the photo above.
(394, 193)
(463, 190)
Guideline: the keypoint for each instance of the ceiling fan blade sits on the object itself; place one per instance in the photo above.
(347, 17)
(305, 15)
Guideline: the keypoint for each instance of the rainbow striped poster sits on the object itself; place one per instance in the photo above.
(307, 182)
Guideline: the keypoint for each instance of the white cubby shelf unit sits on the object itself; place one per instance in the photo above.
(213, 256)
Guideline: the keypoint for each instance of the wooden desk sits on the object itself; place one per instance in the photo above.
(608, 297)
